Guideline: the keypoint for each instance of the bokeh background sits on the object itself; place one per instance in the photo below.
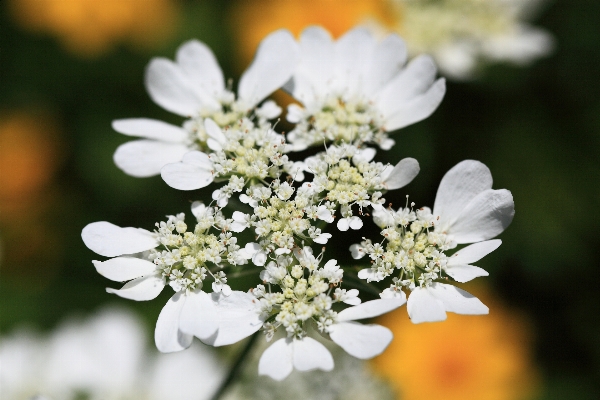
(70, 67)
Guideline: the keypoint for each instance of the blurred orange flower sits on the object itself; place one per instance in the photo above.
(30, 156)
(91, 27)
(255, 19)
(465, 357)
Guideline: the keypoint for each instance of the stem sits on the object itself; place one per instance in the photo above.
(236, 368)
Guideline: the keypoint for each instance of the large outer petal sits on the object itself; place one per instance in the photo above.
(167, 336)
(361, 341)
(141, 289)
(237, 317)
(458, 187)
(388, 59)
(144, 158)
(353, 55)
(150, 129)
(402, 174)
(199, 316)
(474, 252)
(276, 360)
(110, 240)
(457, 300)
(422, 306)
(276, 58)
(316, 70)
(308, 354)
(458, 264)
(193, 172)
(416, 109)
(465, 273)
(415, 79)
(122, 269)
(198, 62)
(370, 309)
(170, 88)
(485, 217)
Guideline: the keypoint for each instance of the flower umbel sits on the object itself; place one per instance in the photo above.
(353, 92)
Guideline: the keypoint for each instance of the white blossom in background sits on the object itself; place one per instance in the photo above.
(356, 89)
(102, 357)
(350, 379)
(194, 87)
(464, 34)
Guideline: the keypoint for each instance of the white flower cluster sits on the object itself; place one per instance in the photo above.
(463, 34)
(353, 92)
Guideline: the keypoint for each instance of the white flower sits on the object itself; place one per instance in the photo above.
(462, 35)
(305, 354)
(357, 88)
(466, 207)
(106, 239)
(102, 357)
(194, 87)
(430, 303)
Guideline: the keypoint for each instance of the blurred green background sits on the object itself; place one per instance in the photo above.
(64, 79)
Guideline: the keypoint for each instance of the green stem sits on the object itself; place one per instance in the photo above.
(236, 369)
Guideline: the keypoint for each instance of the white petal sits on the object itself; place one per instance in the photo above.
(141, 289)
(237, 316)
(308, 354)
(201, 67)
(110, 240)
(122, 269)
(170, 88)
(193, 172)
(323, 238)
(216, 139)
(414, 80)
(457, 300)
(402, 174)
(465, 273)
(361, 341)
(343, 224)
(422, 306)
(269, 110)
(416, 109)
(353, 52)
(276, 58)
(364, 155)
(458, 187)
(388, 59)
(370, 309)
(353, 301)
(167, 336)
(150, 129)
(276, 361)
(485, 217)
(317, 68)
(199, 316)
(356, 223)
(474, 252)
(144, 158)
